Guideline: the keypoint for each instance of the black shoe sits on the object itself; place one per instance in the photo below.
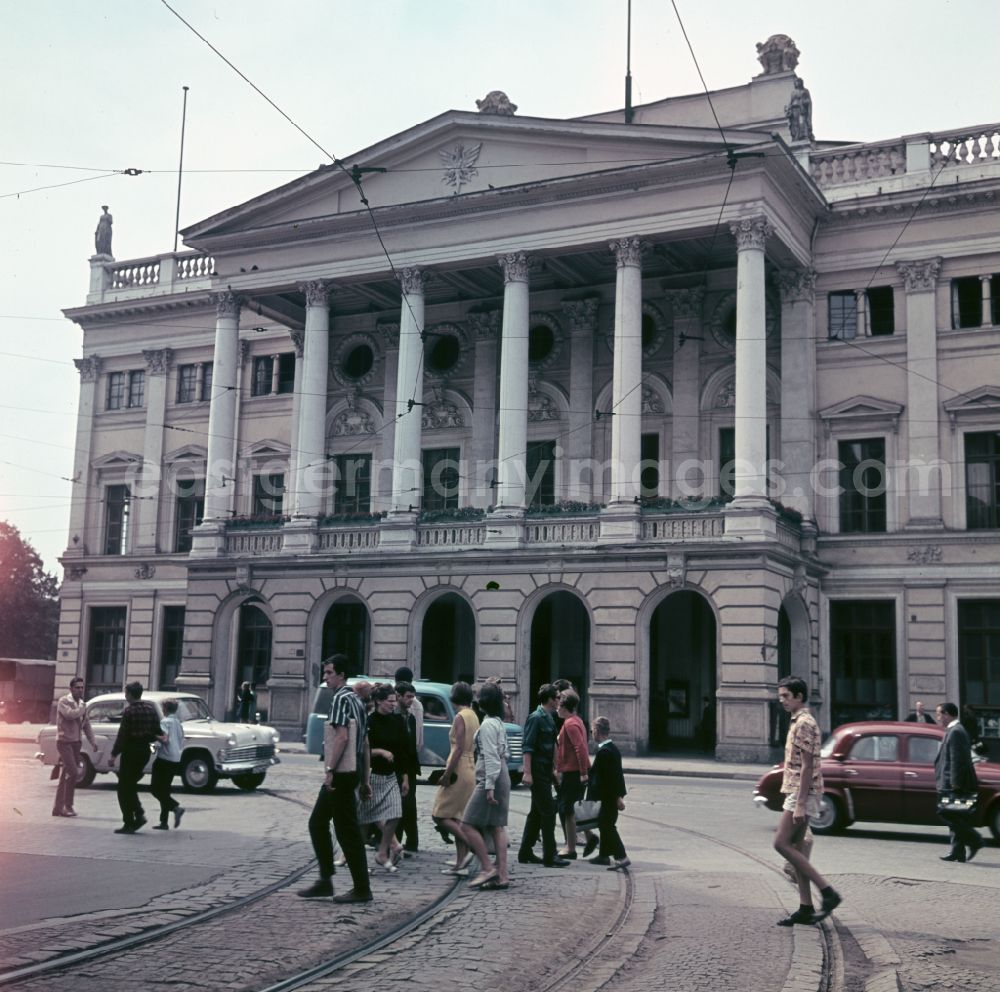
(805, 917)
(126, 829)
(179, 811)
(568, 855)
(556, 863)
(620, 865)
(830, 902)
(353, 896)
(955, 856)
(974, 848)
(590, 847)
(600, 860)
(161, 826)
(322, 888)
(529, 859)
(141, 822)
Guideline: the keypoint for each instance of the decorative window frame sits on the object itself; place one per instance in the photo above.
(344, 347)
(545, 319)
(266, 457)
(973, 412)
(727, 304)
(190, 456)
(664, 331)
(451, 330)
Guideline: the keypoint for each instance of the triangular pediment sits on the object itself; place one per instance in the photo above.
(268, 448)
(460, 153)
(862, 409)
(982, 399)
(187, 453)
(117, 460)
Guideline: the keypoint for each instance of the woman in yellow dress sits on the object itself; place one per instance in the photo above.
(459, 777)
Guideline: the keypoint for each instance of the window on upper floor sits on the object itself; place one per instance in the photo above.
(206, 381)
(540, 473)
(881, 311)
(187, 383)
(190, 512)
(649, 477)
(727, 461)
(286, 372)
(136, 388)
(968, 306)
(842, 315)
(269, 378)
(982, 480)
(126, 389)
(262, 370)
(862, 486)
(117, 507)
(441, 479)
(171, 646)
(352, 490)
(269, 494)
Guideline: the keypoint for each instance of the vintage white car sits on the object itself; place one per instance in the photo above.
(242, 752)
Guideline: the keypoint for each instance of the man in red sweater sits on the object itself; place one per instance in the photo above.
(572, 767)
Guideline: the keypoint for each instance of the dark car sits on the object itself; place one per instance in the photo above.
(883, 772)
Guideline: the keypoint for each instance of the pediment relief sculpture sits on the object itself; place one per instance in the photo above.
(541, 406)
(352, 420)
(460, 165)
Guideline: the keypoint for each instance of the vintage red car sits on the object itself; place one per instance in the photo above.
(883, 771)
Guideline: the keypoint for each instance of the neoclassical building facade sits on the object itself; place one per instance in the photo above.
(666, 408)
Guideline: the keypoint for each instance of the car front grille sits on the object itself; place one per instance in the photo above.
(515, 747)
(251, 752)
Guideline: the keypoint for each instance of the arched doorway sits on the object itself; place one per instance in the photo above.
(560, 645)
(448, 641)
(253, 653)
(346, 631)
(682, 679)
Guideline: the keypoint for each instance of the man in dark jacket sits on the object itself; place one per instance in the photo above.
(140, 726)
(539, 765)
(607, 786)
(956, 776)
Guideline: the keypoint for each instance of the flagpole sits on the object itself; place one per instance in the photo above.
(180, 170)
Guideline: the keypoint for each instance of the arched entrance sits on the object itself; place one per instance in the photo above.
(560, 645)
(682, 679)
(346, 631)
(253, 653)
(448, 641)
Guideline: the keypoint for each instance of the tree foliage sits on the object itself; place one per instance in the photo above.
(29, 600)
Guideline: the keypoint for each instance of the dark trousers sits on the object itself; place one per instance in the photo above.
(542, 816)
(69, 759)
(611, 841)
(408, 821)
(131, 765)
(337, 805)
(963, 834)
(159, 784)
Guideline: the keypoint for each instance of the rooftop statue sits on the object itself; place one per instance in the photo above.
(497, 102)
(102, 236)
(799, 112)
(777, 54)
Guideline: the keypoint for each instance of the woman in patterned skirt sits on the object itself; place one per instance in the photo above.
(459, 776)
(389, 744)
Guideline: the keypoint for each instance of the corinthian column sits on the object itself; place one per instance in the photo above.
(310, 444)
(513, 437)
(158, 365)
(222, 408)
(626, 409)
(90, 372)
(751, 362)
(409, 386)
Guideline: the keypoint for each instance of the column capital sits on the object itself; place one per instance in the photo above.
(317, 292)
(486, 325)
(298, 342)
(389, 329)
(796, 285)
(582, 314)
(687, 301)
(515, 266)
(158, 362)
(227, 304)
(89, 367)
(412, 281)
(920, 276)
(751, 233)
(627, 251)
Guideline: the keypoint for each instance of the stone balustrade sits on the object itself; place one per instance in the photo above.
(683, 527)
(857, 163)
(168, 273)
(138, 272)
(348, 538)
(253, 542)
(450, 535)
(570, 531)
(972, 146)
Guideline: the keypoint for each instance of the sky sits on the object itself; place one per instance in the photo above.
(94, 87)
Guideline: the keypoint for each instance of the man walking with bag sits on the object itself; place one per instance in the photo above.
(71, 725)
(955, 776)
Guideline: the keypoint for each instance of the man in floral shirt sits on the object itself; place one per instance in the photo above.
(802, 787)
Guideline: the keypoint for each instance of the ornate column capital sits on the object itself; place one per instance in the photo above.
(389, 329)
(582, 314)
(686, 302)
(515, 266)
(485, 325)
(796, 285)
(627, 251)
(158, 362)
(317, 293)
(298, 341)
(751, 232)
(227, 304)
(89, 367)
(920, 276)
(412, 281)
(244, 352)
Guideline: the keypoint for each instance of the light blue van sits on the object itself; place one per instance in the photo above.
(438, 717)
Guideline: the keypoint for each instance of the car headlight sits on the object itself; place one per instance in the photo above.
(231, 741)
(275, 736)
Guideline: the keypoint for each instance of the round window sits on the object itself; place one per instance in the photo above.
(443, 353)
(541, 341)
(358, 361)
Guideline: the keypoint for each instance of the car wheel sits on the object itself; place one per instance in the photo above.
(515, 779)
(831, 817)
(249, 782)
(86, 773)
(198, 773)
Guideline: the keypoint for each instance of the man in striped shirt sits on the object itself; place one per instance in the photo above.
(347, 762)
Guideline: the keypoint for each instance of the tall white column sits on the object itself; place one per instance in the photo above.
(409, 387)
(798, 387)
(382, 482)
(298, 342)
(219, 480)
(579, 441)
(147, 510)
(626, 409)
(81, 496)
(751, 362)
(513, 437)
(686, 474)
(310, 451)
(484, 407)
(924, 478)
